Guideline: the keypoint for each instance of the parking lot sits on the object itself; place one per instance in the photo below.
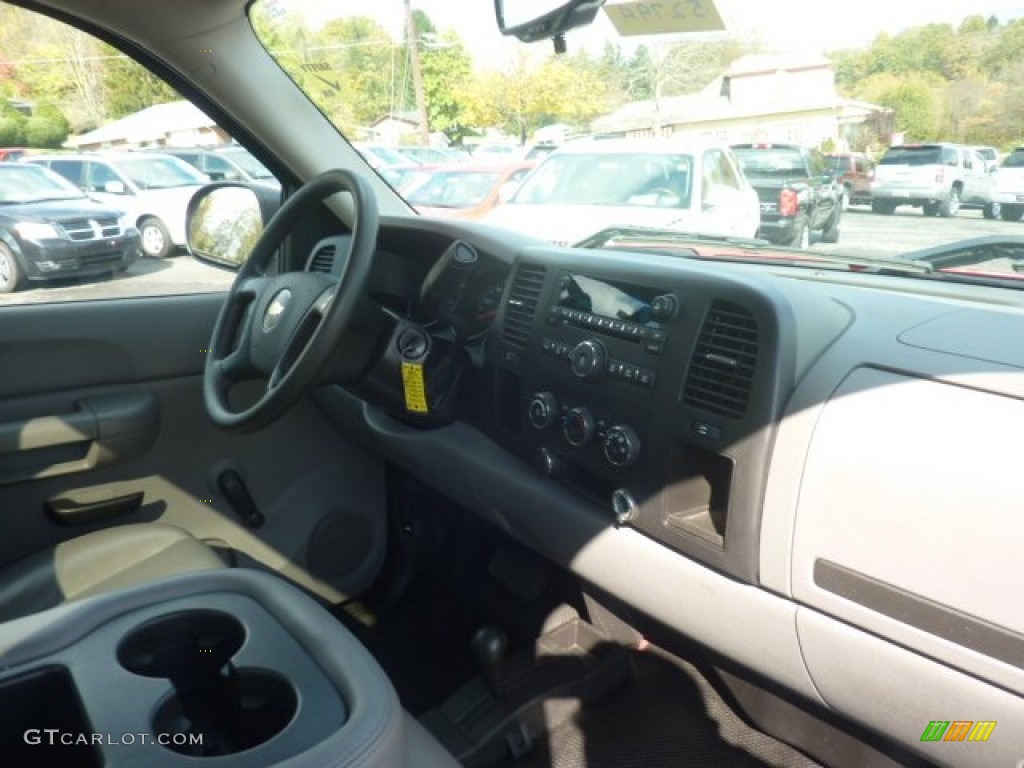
(862, 234)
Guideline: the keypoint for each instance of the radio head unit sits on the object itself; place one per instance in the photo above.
(614, 301)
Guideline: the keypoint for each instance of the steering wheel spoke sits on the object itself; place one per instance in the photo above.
(236, 366)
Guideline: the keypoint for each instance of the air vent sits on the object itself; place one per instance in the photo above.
(722, 369)
(323, 259)
(522, 304)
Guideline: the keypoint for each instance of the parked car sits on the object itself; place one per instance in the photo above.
(587, 185)
(540, 150)
(154, 190)
(940, 179)
(496, 152)
(381, 155)
(231, 163)
(1008, 186)
(50, 230)
(10, 154)
(466, 190)
(433, 155)
(989, 154)
(799, 192)
(854, 170)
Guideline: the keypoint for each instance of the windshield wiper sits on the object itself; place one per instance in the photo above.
(623, 236)
(649, 234)
(972, 252)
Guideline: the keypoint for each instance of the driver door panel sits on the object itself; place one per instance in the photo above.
(102, 423)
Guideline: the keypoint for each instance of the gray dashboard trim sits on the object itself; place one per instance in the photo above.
(920, 612)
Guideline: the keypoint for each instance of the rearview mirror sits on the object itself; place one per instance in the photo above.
(533, 20)
(223, 223)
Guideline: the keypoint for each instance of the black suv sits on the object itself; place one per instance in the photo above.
(49, 229)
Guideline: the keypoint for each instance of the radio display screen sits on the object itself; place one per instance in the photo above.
(629, 304)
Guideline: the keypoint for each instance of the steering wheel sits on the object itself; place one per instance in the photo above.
(285, 328)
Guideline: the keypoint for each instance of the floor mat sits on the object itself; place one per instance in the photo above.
(669, 716)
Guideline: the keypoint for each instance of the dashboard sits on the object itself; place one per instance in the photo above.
(780, 463)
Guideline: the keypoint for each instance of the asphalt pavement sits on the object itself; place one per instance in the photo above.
(867, 234)
(862, 233)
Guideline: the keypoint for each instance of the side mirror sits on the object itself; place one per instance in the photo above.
(223, 223)
(114, 187)
(533, 20)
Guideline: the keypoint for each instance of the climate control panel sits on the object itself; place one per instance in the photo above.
(576, 426)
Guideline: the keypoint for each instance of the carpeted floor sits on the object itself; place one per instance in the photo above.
(669, 716)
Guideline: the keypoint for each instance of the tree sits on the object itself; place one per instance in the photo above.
(12, 131)
(44, 133)
(130, 87)
(447, 70)
(532, 93)
(913, 98)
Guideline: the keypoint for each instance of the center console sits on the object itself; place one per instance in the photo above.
(215, 668)
(650, 396)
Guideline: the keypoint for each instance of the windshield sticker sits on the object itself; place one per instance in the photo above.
(654, 18)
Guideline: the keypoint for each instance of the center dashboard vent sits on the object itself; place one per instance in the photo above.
(323, 259)
(721, 373)
(522, 304)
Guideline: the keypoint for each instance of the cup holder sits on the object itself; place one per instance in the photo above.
(223, 709)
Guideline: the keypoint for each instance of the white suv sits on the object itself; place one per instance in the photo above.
(152, 189)
(1008, 186)
(938, 178)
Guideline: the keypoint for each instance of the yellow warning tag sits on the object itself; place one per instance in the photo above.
(670, 16)
(415, 389)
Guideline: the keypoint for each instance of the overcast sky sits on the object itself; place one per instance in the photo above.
(797, 25)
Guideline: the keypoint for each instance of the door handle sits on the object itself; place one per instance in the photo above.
(68, 509)
(100, 430)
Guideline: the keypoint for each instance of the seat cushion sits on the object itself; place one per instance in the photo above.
(103, 561)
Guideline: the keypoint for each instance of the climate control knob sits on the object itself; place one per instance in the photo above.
(542, 410)
(587, 359)
(621, 445)
(579, 426)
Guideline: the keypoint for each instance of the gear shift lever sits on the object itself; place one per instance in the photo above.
(489, 644)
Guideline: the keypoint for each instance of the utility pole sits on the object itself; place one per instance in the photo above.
(412, 39)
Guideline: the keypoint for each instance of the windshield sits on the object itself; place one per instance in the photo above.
(1014, 160)
(913, 156)
(771, 161)
(33, 183)
(904, 89)
(160, 173)
(618, 179)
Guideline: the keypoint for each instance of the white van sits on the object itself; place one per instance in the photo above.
(152, 189)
